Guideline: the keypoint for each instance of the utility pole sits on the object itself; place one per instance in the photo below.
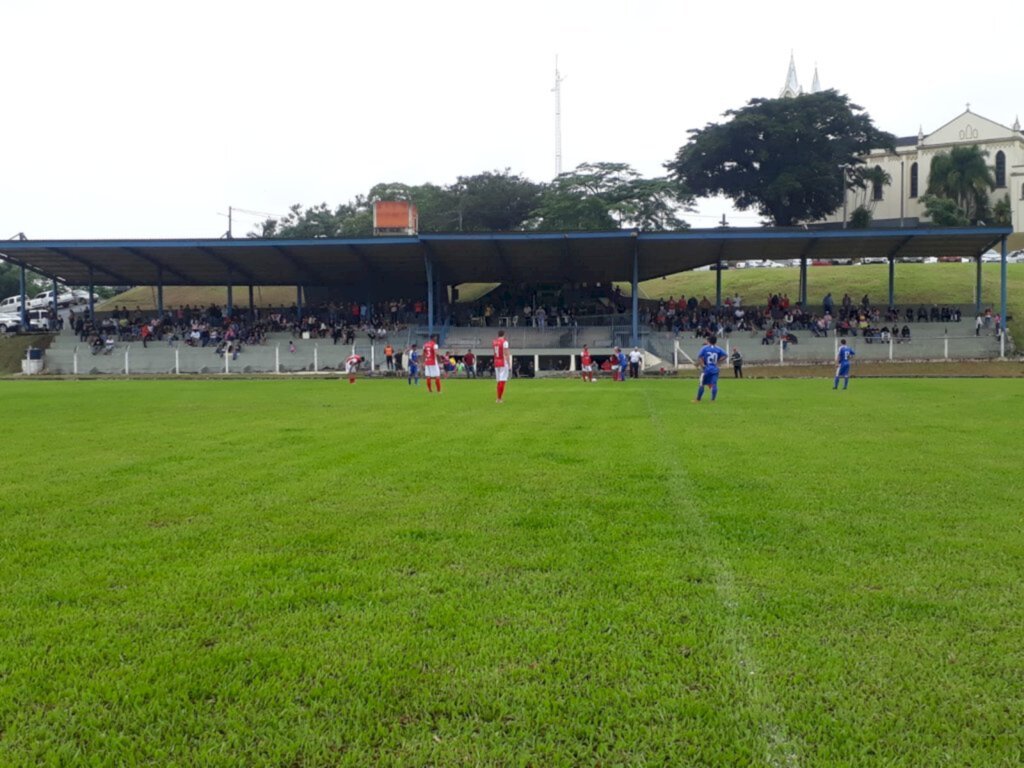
(558, 119)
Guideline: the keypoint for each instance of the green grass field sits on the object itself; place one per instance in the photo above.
(308, 573)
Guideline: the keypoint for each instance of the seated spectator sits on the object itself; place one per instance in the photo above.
(922, 314)
(905, 333)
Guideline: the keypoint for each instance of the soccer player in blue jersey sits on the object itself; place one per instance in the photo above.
(843, 365)
(414, 365)
(708, 358)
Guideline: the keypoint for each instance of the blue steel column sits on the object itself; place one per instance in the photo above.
(92, 293)
(803, 282)
(55, 304)
(892, 281)
(1002, 287)
(231, 300)
(636, 294)
(160, 292)
(24, 299)
(977, 290)
(298, 302)
(252, 304)
(430, 294)
(718, 285)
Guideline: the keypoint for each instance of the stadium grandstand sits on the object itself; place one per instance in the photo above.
(555, 292)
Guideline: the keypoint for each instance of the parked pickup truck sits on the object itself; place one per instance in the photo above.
(65, 298)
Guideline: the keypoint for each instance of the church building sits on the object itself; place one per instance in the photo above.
(899, 203)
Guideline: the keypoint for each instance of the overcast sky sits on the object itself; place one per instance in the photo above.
(150, 118)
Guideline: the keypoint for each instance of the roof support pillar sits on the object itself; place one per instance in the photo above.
(298, 303)
(252, 305)
(718, 285)
(231, 298)
(160, 292)
(803, 282)
(92, 295)
(636, 293)
(1002, 291)
(977, 286)
(24, 300)
(56, 306)
(892, 282)
(430, 293)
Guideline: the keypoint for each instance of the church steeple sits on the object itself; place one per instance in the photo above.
(1016, 123)
(816, 84)
(792, 86)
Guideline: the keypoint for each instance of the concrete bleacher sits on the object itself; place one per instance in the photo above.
(551, 348)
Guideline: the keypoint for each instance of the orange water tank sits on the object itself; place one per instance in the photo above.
(395, 217)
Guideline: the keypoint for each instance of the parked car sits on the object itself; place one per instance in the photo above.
(10, 304)
(39, 319)
(989, 257)
(9, 322)
(65, 298)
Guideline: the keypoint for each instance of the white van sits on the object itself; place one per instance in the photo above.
(10, 304)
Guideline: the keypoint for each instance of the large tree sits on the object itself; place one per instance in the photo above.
(610, 196)
(962, 175)
(783, 157)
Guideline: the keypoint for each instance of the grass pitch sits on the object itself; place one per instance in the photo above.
(312, 573)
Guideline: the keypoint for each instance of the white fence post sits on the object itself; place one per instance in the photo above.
(1002, 345)
(835, 345)
(177, 362)
(227, 358)
(127, 370)
(74, 362)
(373, 356)
(675, 353)
(782, 340)
(277, 359)
(890, 346)
(316, 358)
(945, 344)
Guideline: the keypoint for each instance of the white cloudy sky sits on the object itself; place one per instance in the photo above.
(149, 118)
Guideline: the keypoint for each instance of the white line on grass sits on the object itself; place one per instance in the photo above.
(780, 749)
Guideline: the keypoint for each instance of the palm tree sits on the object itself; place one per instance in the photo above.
(963, 176)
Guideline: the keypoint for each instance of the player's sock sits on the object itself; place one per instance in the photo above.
(501, 389)
(846, 382)
(700, 392)
(714, 393)
(835, 384)
(351, 379)
(438, 386)
(430, 386)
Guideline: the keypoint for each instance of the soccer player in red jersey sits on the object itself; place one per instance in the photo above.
(351, 366)
(431, 368)
(502, 363)
(587, 363)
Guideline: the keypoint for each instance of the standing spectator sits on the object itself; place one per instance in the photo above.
(469, 359)
(389, 356)
(978, 322)
(502, 358)
(634, 362)
(737, 363)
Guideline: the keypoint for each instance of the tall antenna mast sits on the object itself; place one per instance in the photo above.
(558, 119)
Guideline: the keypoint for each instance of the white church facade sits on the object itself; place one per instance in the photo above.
(910, 164)
(899, 203)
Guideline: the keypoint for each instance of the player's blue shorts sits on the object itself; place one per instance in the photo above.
(414, 369)
(843, 370)
(709, 379)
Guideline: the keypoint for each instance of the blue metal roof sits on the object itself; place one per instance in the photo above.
(536, 257)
